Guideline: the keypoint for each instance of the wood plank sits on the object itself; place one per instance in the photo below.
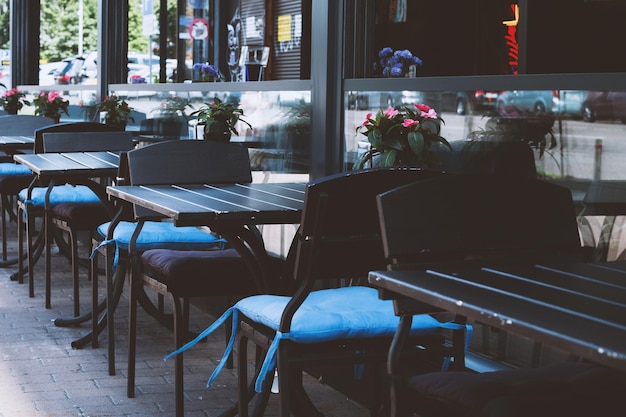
(572, 331)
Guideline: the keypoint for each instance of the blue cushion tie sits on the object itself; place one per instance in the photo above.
(229, 347)
(339, 312)
(106, 242)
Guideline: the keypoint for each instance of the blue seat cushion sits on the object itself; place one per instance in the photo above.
(340, 313)
(165, 235)
(329, 314)
(60, 194)
(14, 177)
(10, 168)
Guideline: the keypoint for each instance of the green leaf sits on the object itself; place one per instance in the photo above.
(388, 158)
(431, 126)
(375, 138)
(416, 142)
(444, 142)
(362, 160)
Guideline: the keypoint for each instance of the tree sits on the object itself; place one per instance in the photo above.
(58, 44)
(5, 33)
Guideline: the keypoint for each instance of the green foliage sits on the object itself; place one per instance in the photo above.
(59, 28)
(57, 45)
(4, 24)
(117, 110)
(219, 119)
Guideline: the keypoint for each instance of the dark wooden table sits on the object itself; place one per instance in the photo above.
(16, 144)
(91, 169)
(579, 308)
(231, 210)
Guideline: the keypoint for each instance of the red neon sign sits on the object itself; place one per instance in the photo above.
(511, 39)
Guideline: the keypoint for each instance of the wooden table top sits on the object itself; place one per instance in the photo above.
(67, 164)
(203, 204)
(579, 307)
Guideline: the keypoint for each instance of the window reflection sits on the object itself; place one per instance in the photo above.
(574, 134)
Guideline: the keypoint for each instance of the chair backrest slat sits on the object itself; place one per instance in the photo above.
(23, 124)
(184, 162)
(189, 162)
(339, 234)
(66, 128)
(87, 141)
(461, 217)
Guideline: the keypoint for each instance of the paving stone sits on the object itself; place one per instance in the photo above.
(42, 376)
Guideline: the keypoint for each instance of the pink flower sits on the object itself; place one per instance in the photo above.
(52, 96)
(367, 119)
(409, 122)
(11, 92)
(431, 114)
(422, 107)
(390, 113)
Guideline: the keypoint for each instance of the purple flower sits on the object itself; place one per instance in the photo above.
(395, 63)
(385, 52)
(396, 70)
(207, 71)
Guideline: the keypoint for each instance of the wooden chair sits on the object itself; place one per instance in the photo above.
(469, 218)
(75, 217)
(14, 177)
(81, 207)
(127, 237)
(337, 243)
(182, 274)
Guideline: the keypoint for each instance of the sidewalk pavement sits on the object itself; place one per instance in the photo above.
(41, 375)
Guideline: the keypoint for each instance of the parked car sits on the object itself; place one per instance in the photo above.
(48, 71)
(604, 105)
(474, 101)
(72, 73)
(367, 100)
(535, 101)
(569, 103)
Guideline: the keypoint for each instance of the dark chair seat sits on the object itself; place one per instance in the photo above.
(11, 184)
(564, 389)
(81, 216)
(187, 272)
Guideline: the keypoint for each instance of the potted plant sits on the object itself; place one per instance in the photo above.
(13, 100)
(219, 119)
(401, 63)
(50, 104)
(401, 137)
(114, 111)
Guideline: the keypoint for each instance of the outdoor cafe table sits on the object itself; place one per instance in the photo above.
(76, 168)
(73, 167)
(231, 210)
(579, 308)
